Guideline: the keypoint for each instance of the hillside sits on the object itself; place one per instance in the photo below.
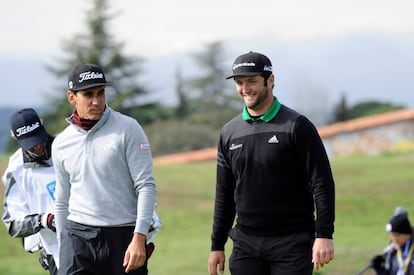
(5, 114)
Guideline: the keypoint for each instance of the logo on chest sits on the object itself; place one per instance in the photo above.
(235, 146)
(273, 139)
(51, 186)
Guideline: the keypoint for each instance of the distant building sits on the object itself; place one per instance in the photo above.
(370, 135)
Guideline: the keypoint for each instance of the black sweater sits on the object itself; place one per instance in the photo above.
(272, 175)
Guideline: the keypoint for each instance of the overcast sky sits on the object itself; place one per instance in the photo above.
(159, 27)
(35, 29)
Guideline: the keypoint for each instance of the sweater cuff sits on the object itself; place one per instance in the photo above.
(324, 235)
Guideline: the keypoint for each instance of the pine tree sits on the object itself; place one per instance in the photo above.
(98, 46)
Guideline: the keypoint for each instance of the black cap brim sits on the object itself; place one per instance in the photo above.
(244, 74)
(29, 142)
(89, 86)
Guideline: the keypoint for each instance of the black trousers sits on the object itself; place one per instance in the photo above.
(281, 255)
(86, 250)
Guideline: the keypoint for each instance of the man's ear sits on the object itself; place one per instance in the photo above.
(71, 97)
(271, 80)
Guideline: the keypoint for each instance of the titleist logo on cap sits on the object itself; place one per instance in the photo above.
(90, 75)
(26, 129)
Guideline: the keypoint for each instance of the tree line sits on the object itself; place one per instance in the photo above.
(205, 102)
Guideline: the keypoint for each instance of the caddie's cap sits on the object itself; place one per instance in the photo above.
(27, 128)
(399, 223)
(85, 76)
(251, 64)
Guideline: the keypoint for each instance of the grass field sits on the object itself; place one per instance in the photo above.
(367, 191)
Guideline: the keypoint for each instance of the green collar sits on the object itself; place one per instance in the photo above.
(269, 115)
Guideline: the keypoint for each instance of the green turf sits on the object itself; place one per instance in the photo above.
(368, 188)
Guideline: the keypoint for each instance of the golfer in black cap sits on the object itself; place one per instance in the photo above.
(30, 184)
(397, 258)
(272, 169)
(105, 189)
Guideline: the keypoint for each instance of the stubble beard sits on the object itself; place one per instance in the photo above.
(259, 101)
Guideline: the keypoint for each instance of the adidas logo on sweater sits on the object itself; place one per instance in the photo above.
(273, 139)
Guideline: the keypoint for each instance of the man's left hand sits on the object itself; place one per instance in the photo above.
(322, 252)
(135, 255)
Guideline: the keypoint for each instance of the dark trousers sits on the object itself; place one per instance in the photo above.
(282, 255)
(86, 250)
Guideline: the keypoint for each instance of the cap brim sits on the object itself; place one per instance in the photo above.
(244, 74)
(90, 86)
(29, 142)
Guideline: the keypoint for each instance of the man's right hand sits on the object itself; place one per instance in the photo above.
(216, 258)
